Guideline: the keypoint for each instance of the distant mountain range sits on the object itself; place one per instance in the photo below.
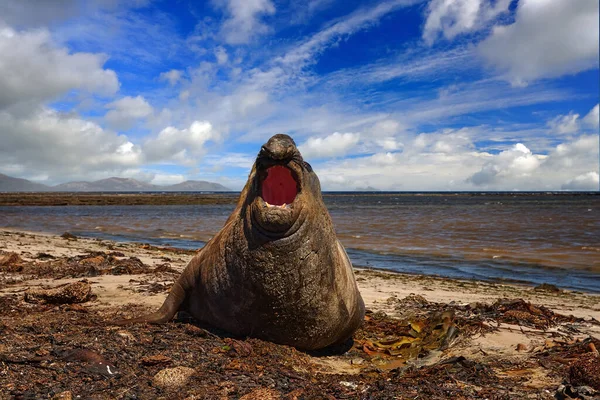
(10, 184)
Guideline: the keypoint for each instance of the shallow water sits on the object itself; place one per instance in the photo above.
(532, 238)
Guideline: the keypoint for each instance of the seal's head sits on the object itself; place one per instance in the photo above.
(281, 186)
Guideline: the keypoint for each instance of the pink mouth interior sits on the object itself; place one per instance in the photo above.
(279, 187)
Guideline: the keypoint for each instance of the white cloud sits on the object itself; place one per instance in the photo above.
(173, 76)
(221, 55)
(124, 112)
(63, 145)
(336, 144)
(247, 102)
(166, 179)
(516, 162)
(33, 13)
(583, 182)
(389, 143)
(519, 168)
(448, 141)
(244, 23)
(387, 127)
(305, 53)
(34, 69)
(593, 117)
(549, 38)
(183, 146)
(565, 123)
(449, 160)
(237, 160)
(454, 17)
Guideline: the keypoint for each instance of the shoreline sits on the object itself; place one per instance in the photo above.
(142, 274)
(395, 263)
(385, 282)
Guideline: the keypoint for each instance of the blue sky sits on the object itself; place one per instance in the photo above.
(395, 95)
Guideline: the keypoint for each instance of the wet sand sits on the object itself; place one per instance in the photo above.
(437, 337)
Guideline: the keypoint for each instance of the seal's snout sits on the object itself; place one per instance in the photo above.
(280, 147)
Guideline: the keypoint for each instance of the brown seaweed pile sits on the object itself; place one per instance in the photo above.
(62, 347)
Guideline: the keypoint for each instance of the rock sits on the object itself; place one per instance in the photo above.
(262, 394)
(77, 292)
(11, 262)
(172, 378)
(68, 236)
(126, 336)
(547, 287)
(521, 347)
(66, 395)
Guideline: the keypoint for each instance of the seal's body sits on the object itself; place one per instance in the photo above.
(276, 270)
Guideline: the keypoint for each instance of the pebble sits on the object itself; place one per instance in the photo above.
(173, 378)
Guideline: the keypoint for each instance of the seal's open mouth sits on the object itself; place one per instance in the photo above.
(279, 187)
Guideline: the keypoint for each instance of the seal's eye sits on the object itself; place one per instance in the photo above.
(279, 187)
(308, 167)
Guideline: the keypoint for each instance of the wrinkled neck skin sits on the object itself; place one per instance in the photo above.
(283, 229)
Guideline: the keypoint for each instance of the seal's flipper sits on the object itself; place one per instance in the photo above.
(176, 298)
(165, 313)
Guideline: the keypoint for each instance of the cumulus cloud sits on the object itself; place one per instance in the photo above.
(449, 160)
(593, 117)
(549, 38)
(583, 182)
(63, 145)
(184, 146)
(173, 76)
(454, 17)
(336, 144)
(34, 69)
(244, 22)
(516, 162)
(124, 112)
(518, 168)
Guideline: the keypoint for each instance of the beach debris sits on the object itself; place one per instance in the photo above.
(93, 263)
(585, 371)
(125, 336)
(262, 394)
(547, 287)
(391, 340)
(68, 236)
(165, 267)
(44, 256)
(77, 292)
(10, 262)
(173, 378)
(66, 395)
(94, 362)
(568, 392)
(521, 347)
(158, 359)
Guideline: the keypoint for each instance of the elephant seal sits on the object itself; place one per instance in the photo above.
(276, 270)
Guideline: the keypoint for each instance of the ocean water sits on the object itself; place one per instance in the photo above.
(529, 237)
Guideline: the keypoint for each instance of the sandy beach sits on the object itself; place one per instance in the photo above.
(424, 337)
